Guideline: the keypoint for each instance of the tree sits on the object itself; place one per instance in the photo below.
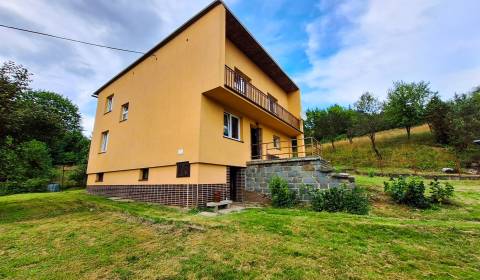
(14, 80)
(370, 118)
(464, 120)
(337, 123)
(352, 125)
(436, 116)
(406, 104)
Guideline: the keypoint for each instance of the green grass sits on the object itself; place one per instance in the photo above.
(71, 235)
(420, 154)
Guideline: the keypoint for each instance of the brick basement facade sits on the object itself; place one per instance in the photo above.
(183, 195)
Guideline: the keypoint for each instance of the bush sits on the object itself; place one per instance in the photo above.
(440, 193)
(282, 195)
(78, 177)
(340, 199)
(410, 192)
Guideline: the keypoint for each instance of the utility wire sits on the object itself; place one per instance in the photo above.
(68, 39)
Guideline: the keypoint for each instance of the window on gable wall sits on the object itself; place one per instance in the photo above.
(104, 143)
(109, 104)
(124, 115)
(231, 126)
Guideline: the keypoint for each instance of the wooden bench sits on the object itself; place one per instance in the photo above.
(221, 203)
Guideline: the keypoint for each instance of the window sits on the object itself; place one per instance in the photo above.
(144, 174)
(276, 142)
(124, 115)
(231, 126)
(183, 169)
(109, 104)
(103, 146)
(99, 177)
(272, 104)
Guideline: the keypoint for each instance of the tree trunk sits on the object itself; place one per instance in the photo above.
(333, 144)
(374, 146)
(350, 139)
(408, 131)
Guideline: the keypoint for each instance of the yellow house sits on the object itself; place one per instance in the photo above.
(179, 125)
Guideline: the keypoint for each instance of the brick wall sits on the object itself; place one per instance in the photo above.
(184, 195)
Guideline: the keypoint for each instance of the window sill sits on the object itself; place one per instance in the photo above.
(102, 152)
(107, 112)
(142, 180)
(230, 138)
(98, 181)
(124, 120)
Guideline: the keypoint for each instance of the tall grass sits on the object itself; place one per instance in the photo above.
(420, 153)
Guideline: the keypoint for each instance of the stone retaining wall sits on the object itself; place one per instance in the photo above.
(313, 171)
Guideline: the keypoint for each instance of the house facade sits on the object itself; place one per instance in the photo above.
(179, 125)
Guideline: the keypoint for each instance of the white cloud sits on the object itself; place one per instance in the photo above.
(75, 70)
(383, 41)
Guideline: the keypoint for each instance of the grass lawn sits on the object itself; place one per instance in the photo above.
(72, 235)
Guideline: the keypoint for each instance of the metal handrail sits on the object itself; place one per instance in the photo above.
(237, 82)
(311, 148)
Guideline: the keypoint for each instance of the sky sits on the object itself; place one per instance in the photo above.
(334, 50)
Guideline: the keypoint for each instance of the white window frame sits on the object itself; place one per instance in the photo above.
(124, 113)
(109, 104)
(104, 141)
(229, 126)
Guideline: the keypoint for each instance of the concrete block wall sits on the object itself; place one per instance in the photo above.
(313, 171)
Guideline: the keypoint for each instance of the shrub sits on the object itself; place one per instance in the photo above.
(339, 199)
(79, 176)
(440, 193)
(282, 195)
(410, 192)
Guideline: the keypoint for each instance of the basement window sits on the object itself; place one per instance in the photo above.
(99, 177)
(183, 169)
(144, 174)
(231, 126)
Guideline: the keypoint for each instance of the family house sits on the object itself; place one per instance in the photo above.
(180, 123)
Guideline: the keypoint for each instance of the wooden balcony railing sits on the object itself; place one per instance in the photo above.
(236, 82)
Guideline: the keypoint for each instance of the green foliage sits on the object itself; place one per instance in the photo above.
(410, 192)
(339, 199)
(436, 116)
(79, 176)
(282, 195)
(440, 193)
(371, 119)
(406, 104)
(464, 120)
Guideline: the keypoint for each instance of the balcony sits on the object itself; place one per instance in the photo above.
(240, 85)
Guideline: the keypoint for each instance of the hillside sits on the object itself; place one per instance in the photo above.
(419, 154)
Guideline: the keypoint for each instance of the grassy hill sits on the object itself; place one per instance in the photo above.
(419, 154)
(71, 235)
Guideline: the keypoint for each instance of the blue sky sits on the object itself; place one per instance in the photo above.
(334, 50)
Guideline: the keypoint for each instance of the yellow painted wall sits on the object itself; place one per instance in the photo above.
(168, 112)
(164, 94)
(199, 174)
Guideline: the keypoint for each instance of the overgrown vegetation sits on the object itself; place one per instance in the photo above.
(455, 123)
(38, 130)
(281, 195)
(411, 192)
(339, 199)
